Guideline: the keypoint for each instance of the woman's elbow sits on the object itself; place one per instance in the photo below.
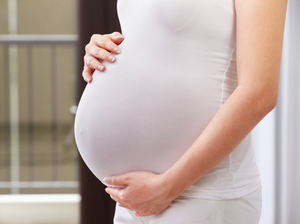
(267, 100)
(262, 97)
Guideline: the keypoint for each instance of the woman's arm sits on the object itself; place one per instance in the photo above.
(260, 26)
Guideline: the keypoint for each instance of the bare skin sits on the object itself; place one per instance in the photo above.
(98, 49)
(260, 26)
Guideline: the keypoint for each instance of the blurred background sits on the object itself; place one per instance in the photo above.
(38, 156)
(42, 178)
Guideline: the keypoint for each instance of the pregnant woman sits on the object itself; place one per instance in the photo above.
(165, 119)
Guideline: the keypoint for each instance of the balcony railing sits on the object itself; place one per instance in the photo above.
(36, 129)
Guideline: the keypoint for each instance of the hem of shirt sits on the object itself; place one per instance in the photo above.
(197, 192)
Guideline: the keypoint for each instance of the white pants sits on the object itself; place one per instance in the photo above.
(183, 210)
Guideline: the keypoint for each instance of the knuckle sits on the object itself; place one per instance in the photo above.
(111, 46)
(106, 37)
(94, 37)
(112, 197)
(85, 59)
(90, 61)
(127, 179)
(116, 33)
(105, 41)
(87, 48)
(112, 180)
(84, 71)
(84, 77)
(134, 208)
(98, 51)
(124, 198)
(107, 55)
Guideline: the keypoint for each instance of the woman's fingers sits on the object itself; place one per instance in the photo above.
(105, 42)
(120, 203)
(145, 193)
(93, 63)
(118, 180)
(97, 52)
(114, 192)
(116, 37)
(100, 47)
(87, 73)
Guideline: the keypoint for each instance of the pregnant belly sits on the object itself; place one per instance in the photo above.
(137, 120)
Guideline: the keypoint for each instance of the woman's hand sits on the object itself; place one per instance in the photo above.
(98, 49)
(146, 193)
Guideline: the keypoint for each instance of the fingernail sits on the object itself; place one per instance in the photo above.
(100, 67)
(120, 36)
(117, 50)
(111, 58)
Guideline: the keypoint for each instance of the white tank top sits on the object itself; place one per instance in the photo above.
(176, 69)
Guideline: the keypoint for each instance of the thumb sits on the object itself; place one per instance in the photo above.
(118, 180)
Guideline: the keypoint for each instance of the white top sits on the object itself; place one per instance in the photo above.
(176, 69)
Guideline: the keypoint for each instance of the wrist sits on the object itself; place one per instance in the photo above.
(171, 185)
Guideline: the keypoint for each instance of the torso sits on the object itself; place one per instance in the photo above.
(176, 69)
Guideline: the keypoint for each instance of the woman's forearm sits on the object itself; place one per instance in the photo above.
(231, 124)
